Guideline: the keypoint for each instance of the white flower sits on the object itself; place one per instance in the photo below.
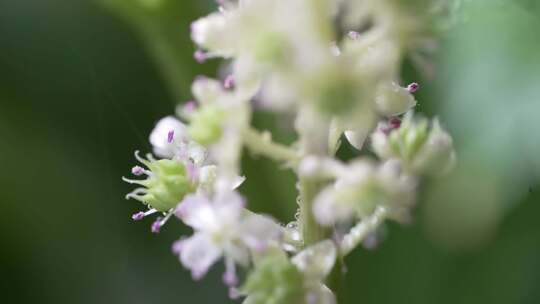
(214, 34)
(221, 229)
(362, 187)
(184, 170)
(170, 139)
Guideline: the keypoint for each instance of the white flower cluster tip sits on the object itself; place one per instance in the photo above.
(334, 65)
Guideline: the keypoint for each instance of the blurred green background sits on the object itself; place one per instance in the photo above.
(83, 82)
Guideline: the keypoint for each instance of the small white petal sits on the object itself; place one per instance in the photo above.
(228, 206)
(159, 136)
(198, 254)
(317, 260)
(196, 211)
(328, 210)
(212, 33)
(207, 90)
(259, 231)
(357, 137)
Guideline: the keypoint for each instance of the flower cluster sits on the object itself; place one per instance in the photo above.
(335, 66)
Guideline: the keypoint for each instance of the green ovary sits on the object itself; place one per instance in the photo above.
(206, 125)
(167, 186)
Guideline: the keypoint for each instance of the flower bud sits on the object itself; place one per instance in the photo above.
(391, 99)
(274, 280)
(206, 90)
(166, 185)
(422, 149)
(212, 33)
(437, 156)
(206, 124)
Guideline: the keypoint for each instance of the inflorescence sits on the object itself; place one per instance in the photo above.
(334, 65)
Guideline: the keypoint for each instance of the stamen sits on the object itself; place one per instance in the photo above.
(156, 226)
(137, 170)
(394, 123)
(170, 136)
(354, 35)
(229, 276)
(200, 56)
(229, 82)
(140, 215)
(160, 222)
(413, 87)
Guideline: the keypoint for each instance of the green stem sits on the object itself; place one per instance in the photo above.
(359, 232)
(261, 143)
(311, 231)
(356, 235)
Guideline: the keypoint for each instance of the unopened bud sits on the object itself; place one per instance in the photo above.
(423, 149)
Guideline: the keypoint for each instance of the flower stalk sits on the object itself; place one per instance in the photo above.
(360, 231)
(261, 143)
